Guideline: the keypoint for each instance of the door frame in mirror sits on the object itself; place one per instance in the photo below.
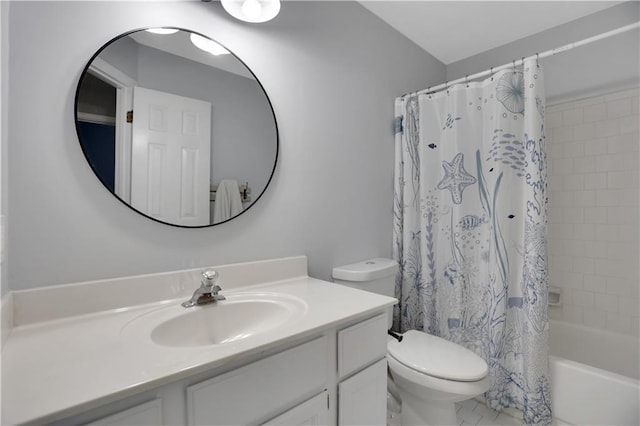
(124, 102)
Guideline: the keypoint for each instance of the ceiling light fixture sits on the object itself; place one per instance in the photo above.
(253, 11)
(208, 45)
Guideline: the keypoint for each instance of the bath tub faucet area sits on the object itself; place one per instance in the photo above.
(208, 292)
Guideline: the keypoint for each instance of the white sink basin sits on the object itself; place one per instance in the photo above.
(239, 317)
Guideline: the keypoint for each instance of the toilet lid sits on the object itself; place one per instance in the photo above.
(437, 357)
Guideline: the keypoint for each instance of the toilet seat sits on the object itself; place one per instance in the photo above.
(432, 388)
(436, 357)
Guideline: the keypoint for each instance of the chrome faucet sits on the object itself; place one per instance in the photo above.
(207, 292)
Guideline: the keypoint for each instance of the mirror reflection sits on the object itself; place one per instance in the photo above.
(176, 127)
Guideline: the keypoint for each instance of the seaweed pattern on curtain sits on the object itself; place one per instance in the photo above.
(461, 277)
(409, 283)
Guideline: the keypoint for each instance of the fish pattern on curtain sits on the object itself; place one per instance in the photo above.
(469, 229)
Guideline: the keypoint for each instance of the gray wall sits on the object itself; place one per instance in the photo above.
(331, 70)
(601, 67)
(4, 136)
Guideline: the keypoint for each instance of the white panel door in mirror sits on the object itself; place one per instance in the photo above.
(170, 164)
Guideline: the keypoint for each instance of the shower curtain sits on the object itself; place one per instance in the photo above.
(469, 228)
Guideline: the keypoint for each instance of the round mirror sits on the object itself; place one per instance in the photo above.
(176, 127)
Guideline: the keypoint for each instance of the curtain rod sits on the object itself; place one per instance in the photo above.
(514, 63)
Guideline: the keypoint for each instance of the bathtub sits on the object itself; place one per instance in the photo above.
(594, 376)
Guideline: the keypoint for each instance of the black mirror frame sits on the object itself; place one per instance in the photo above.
(76, 121)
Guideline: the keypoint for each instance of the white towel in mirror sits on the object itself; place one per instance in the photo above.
(228, 202)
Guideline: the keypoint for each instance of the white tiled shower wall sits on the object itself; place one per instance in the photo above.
(593, 210)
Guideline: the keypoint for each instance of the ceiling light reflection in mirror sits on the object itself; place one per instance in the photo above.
(207, 45)
(162, 30)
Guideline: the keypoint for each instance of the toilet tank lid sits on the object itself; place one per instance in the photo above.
(367, 270)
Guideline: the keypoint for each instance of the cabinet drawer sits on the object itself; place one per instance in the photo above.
(149, 413)
(361, 344)
(261, 389)
(313, 412)
(363, 397)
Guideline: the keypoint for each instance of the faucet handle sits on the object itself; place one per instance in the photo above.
(209, 278)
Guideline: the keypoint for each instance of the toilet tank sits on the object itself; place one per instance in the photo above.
(374, 275)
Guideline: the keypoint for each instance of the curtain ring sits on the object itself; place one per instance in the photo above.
(491, 72)
(466, 79)
(537, 60)
(514, 65)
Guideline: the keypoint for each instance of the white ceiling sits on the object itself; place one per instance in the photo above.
(455, 30)
(179, 44)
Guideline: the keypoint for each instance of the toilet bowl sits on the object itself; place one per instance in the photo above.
(427, 373)
(431, 374)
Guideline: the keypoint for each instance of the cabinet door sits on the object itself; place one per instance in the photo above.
(313, 412)
(143, 414)
(362, 398)
(260, 390)
(361, 344)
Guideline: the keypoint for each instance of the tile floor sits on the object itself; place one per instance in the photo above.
(472, 412)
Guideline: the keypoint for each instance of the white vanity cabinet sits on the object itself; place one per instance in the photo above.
(337, 376)
(301, 351)
(362, 370)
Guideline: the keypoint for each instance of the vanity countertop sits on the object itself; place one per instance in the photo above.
(60, 367)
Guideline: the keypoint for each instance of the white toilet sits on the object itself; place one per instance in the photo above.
(429, 373)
